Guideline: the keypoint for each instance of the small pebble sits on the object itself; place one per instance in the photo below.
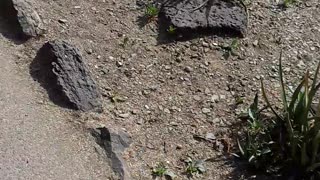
(166, 111)
(215, 98)
(135, 111)
(207, 91)
(206, 110)
(188, 69)
(179, 146)
(125, 115)
(222, 96)
(89, 51)
(167, 67)
(301, 65)
(197, 98)
(62, 21)
(119, 64)
(205, 44)
(210, 136)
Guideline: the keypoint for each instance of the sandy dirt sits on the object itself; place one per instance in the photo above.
(38, 141)
(166, 94)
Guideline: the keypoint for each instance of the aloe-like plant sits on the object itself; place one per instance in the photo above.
(294, 134)
(151, 12)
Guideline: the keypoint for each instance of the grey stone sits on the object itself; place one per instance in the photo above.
(215, 98)
(29, 20)
(124, 115)
(188, 69)
(114, 143)
(66, 73)
(206, 110)
(210, 136)
(62, 21)
(216, 16)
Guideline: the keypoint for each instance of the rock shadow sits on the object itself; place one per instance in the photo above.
(9, 25)
(41, 71)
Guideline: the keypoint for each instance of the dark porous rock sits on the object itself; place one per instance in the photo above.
(60, 68)
(114, 143)
(209, 16)
(24, 13)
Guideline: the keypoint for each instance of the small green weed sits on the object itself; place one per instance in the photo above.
(288, 3)
(231, 48)
(195, 167)
(125, 42)
(171, 30)
(162, 171)
(151, 12)
(115, 97)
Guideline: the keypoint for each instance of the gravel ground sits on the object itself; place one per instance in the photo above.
(166, 94)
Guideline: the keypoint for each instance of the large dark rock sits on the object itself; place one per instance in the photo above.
(24, 13)
(214, 16)
(60, 68)
(114, 143)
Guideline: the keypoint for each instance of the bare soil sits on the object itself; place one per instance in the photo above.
(165, 94)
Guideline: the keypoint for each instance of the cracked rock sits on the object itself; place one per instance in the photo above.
(64, 74)
(213, 16)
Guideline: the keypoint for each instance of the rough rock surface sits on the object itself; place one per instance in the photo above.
(29, 20)
(114, 143)
(68, 75)
(218, 16)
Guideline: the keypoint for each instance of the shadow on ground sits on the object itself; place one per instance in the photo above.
(41, 71)
(241, 171)
(9, 25)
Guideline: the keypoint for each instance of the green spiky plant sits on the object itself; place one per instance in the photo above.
(151, 12)
(290, 143)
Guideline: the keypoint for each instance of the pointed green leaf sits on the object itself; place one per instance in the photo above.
(296, 94)
(266, 151)
(240, 148)
(315, 76)
(251, 158)
(267, 100)
(253, 109)
(283, 92)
